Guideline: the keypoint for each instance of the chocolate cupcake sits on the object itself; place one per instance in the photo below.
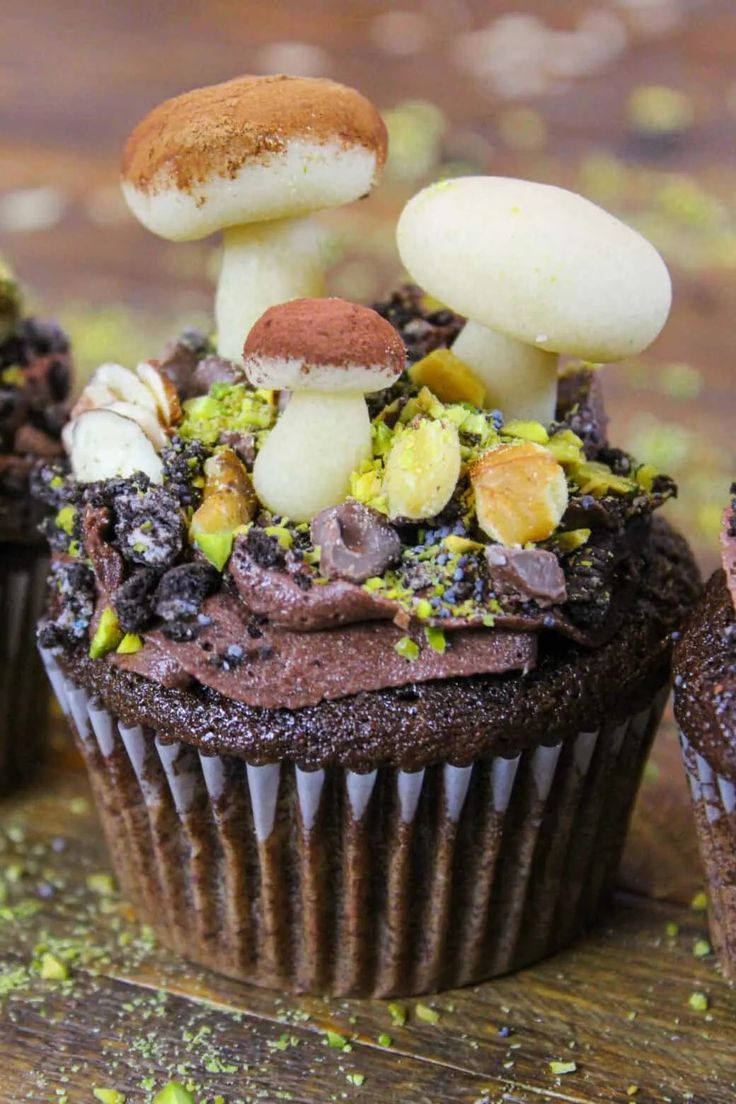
(35, 381)
(365, 660)
(705, 707)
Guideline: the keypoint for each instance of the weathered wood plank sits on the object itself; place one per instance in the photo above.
(616, 1005)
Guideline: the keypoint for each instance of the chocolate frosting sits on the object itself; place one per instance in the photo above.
(453, 719)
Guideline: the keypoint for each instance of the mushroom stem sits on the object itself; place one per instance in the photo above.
(308, 457)
(263, 264)
(520, 379)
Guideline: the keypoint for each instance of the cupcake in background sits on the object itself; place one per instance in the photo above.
(705, 708)
(35, 384)
(364, 656)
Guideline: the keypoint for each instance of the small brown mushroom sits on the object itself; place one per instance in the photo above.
(355, 542)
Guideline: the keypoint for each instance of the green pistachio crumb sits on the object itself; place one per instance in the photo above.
(52, 968)
(407, 648)
(65, 519)
(672, 930)
(526, 431)
(632, 1090)
(436, 639)
(173, 1093)
(699, 902)
(423, 609)
(699, 1002)
(109, 1096)
(385, 1040)
(335, 1039)
(356, 1079)
(215, 547)
(108, 635)
(130, 644)
(101, 884)
(427, 1014)
(702, 948)
(560, 1068)
(397, 1012)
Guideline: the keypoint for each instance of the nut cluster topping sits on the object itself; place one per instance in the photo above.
(520, 493)
(121, 422)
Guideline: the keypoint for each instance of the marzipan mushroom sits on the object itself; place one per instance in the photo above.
(253, 157)
(329, 354)
(538, 271)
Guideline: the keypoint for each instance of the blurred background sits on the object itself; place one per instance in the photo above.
(631, 102)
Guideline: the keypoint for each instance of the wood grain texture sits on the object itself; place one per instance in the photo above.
(130, 1016)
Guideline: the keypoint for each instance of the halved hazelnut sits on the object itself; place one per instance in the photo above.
(520, 493)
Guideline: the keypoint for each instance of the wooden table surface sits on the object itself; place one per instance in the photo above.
(550, 91)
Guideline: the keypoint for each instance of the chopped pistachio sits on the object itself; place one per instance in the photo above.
(436, 639)
(632, 1090)
(699, 902)
(107, 636)
(282, 534)
(702, 948)
(335, 1040)
(407, 648)
(699, 1002)
(572, 539)
(397, 1013)
(423, 609)
(385, 1040)
(130, 644)
(527, 431)
(427, 1014)
(560, 1068)
(65, 519)
(598, 479)
(52, 968)
(460, 545)
(672, 930)
(101, 884)
(109, 1096)
(173, 1093)
(356, 1079)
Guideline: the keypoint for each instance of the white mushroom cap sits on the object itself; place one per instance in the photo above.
(536, 263)
(323, 345)
(250, 150)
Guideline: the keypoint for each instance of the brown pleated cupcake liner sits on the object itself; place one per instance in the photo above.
(24, 690)
(381, 884)
(714, 804)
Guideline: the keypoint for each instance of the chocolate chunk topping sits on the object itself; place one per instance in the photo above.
(215, 369)
(106, 561)
(134, 600)
(530, 573)
(183, 589)
(355, 542)
(264, 550)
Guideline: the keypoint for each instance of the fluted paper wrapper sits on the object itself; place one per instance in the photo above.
(714, 804)
(24, 691)
(384, 883)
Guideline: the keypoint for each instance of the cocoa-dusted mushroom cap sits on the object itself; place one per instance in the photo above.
(251, 149)
(323, 344)
(254, 157)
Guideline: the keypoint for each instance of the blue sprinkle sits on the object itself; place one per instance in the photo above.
(587, 502)
(444, 532)
(436, 601)
(459, 575)
(678, 680)
(442, 559)
(450, 596)
(549, 622)
(444, 613)
(504, 1032)
(458, 529)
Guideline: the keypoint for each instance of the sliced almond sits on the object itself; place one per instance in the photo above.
(94, 396)
(107, 445)
(148, 422)
(163, 391)
(520, 493)
(125, 386)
